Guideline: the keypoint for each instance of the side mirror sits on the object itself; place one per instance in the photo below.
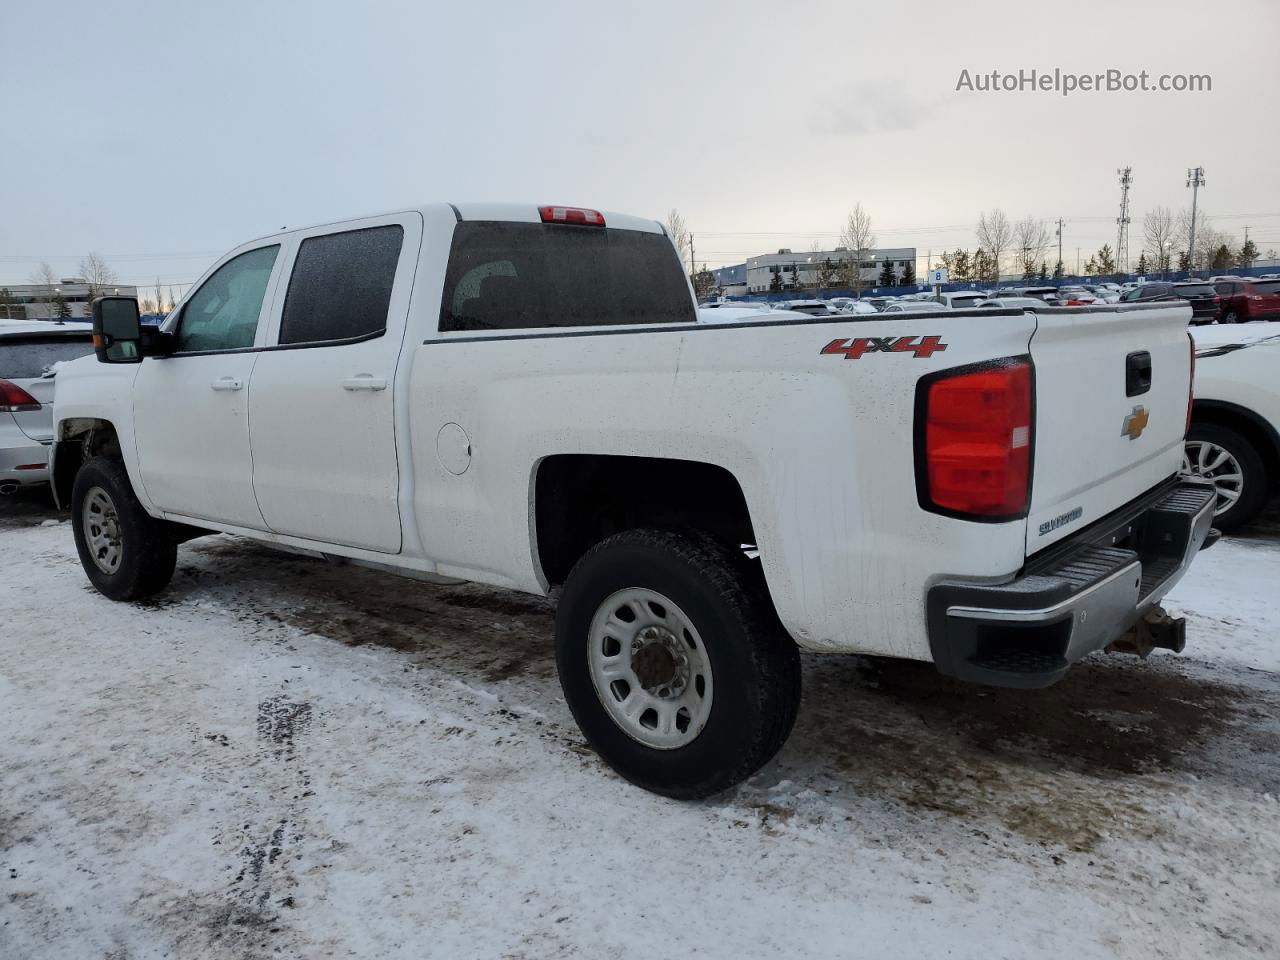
(117, 330)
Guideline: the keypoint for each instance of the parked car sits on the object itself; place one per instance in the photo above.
(851, 305)
(1202, 296)
(432, 393)
(1047, 295)
(734, 312)
(914, 306)
(959, 299)
(1234, 439)
(30, 351)
(1076, 296)
(815, 308)
(1245, 300)
(1013, 303)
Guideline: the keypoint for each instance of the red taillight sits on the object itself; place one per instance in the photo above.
(1191, 385)
(13, 399)
(579, 215)
(976, 442)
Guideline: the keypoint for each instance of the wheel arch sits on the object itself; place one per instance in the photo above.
(580, 499)
(78, 439)
(1249, 424)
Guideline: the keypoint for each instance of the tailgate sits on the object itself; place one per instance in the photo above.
(1102, 436)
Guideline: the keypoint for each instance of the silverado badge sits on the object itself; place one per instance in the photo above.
(1135, 423)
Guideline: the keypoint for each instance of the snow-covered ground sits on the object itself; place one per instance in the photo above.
(279, 757)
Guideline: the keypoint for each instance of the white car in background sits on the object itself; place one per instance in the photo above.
(914, 306)
(1234, 439)
(29, 353)
(1014, 303)
(959, 299)
(730, 312)
(851, 305)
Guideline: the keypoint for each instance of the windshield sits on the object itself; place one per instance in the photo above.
(27, 358)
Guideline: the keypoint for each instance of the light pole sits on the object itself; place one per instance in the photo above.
(1195, 180)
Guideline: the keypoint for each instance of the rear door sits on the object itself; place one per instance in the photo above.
(1111, 406)
(321, 401)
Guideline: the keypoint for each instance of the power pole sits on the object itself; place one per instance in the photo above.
(1195, 180)
(1064, 269)
(693, 263)
(1122, 240)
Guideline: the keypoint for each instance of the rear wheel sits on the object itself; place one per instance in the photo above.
(1231, 316)
(126, 553)
(673, 662)
(1227, 458)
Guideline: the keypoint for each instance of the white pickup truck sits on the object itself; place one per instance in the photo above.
(522, 396)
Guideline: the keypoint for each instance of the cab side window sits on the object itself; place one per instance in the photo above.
(223, 313)
(341, 286)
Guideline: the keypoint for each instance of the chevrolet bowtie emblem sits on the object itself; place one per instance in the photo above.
(1135, 423)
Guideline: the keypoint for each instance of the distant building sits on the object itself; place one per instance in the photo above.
(38, 301)
(801, 269)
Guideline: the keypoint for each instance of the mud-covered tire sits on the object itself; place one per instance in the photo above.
(755, 665)
(1254, 484)
(147, 547)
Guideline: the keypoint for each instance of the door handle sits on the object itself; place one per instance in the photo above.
(364, 381)
(227, 383)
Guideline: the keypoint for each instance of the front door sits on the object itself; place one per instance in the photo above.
(321, 401)
(191, 410)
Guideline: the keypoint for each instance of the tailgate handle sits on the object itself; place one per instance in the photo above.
(1137, 373)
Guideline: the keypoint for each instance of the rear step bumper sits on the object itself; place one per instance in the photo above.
(1076, 598)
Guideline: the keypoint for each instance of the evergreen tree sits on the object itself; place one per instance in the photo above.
(1248, 253)
(775, 283)
(1184, 261)
(704, 282)
(1058, 271)
(963, 267)
(909, 274)
(1044, 270)
(1142, 264)
(1222, 258)
(61, 309)
(887, 277)
(1106, 261)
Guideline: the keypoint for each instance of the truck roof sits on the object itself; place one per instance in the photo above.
(486, 210)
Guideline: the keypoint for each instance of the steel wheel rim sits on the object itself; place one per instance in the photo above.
(650, 668)
(101, 525)
(1200, 458)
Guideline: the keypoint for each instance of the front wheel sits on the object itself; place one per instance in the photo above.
(1231, 316)
(673, 662)
(1227, 458)
(126, 553)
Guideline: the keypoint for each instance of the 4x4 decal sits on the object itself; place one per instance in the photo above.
(919, 347)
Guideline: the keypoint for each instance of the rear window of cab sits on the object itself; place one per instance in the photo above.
(516, 276)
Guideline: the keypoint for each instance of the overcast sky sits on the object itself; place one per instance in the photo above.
(161, 134)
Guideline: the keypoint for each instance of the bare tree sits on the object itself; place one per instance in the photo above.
(1030, 240)
(159, 300)
(97, 274)
(994, 236)
(679, 235)
(43, 276)
(858, 238)
(1157, 238)
(171, 303)
(96, 271)
(1208, 239)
